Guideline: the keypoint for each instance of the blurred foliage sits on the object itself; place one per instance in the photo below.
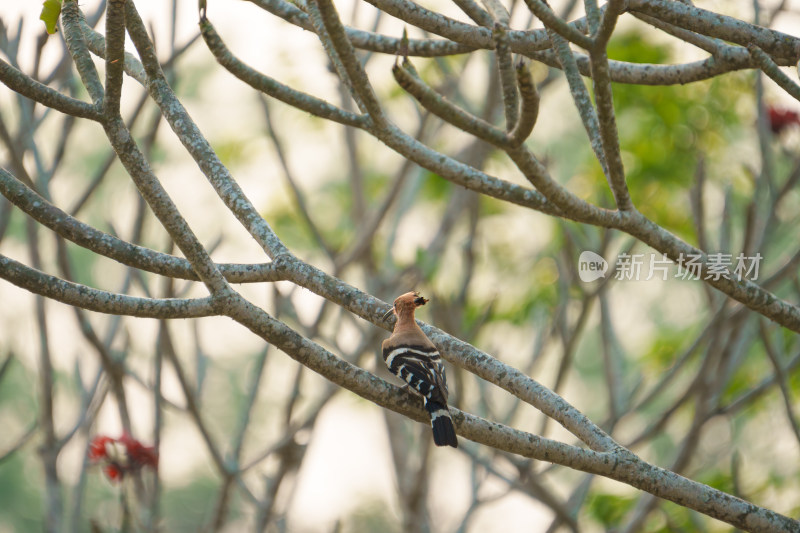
(231, 151)
(719, 479)
(83, 263)
(664, 131)
(17, 229)
(435, 188)
(754, 368)
(666, 343)
(609, 509)
(20, 493)
(369, 517)
(293, 231)
(18, 392)
(187, 508)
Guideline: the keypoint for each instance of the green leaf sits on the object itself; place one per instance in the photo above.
(51, 9)
(609, 509)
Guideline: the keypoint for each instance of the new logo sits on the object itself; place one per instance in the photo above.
(591, 266)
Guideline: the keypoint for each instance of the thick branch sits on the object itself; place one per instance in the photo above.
(355, 72)
(729, 60)
(76, 43)
(609, 135)
(128, 254)
(30, 88)
(274, 88)
(368, 40)
(723, 27)
(115, 40)
(91, 299)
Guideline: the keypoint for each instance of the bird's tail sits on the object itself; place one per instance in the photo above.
(444, 434)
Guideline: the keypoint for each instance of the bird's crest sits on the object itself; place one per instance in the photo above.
(406, 303)
(410, 298)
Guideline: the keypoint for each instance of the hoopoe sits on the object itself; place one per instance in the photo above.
(411, 356)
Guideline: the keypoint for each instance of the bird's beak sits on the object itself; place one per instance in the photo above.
(388, 313)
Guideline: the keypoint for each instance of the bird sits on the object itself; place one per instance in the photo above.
(412, 357)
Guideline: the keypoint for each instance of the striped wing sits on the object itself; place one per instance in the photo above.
(420, 367)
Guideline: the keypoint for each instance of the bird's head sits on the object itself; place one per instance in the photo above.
(406, 303)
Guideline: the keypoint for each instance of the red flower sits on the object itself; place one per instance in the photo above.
(780, 119)
(113, 472)
(97, 448)
(139, 454)
(121, 456)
